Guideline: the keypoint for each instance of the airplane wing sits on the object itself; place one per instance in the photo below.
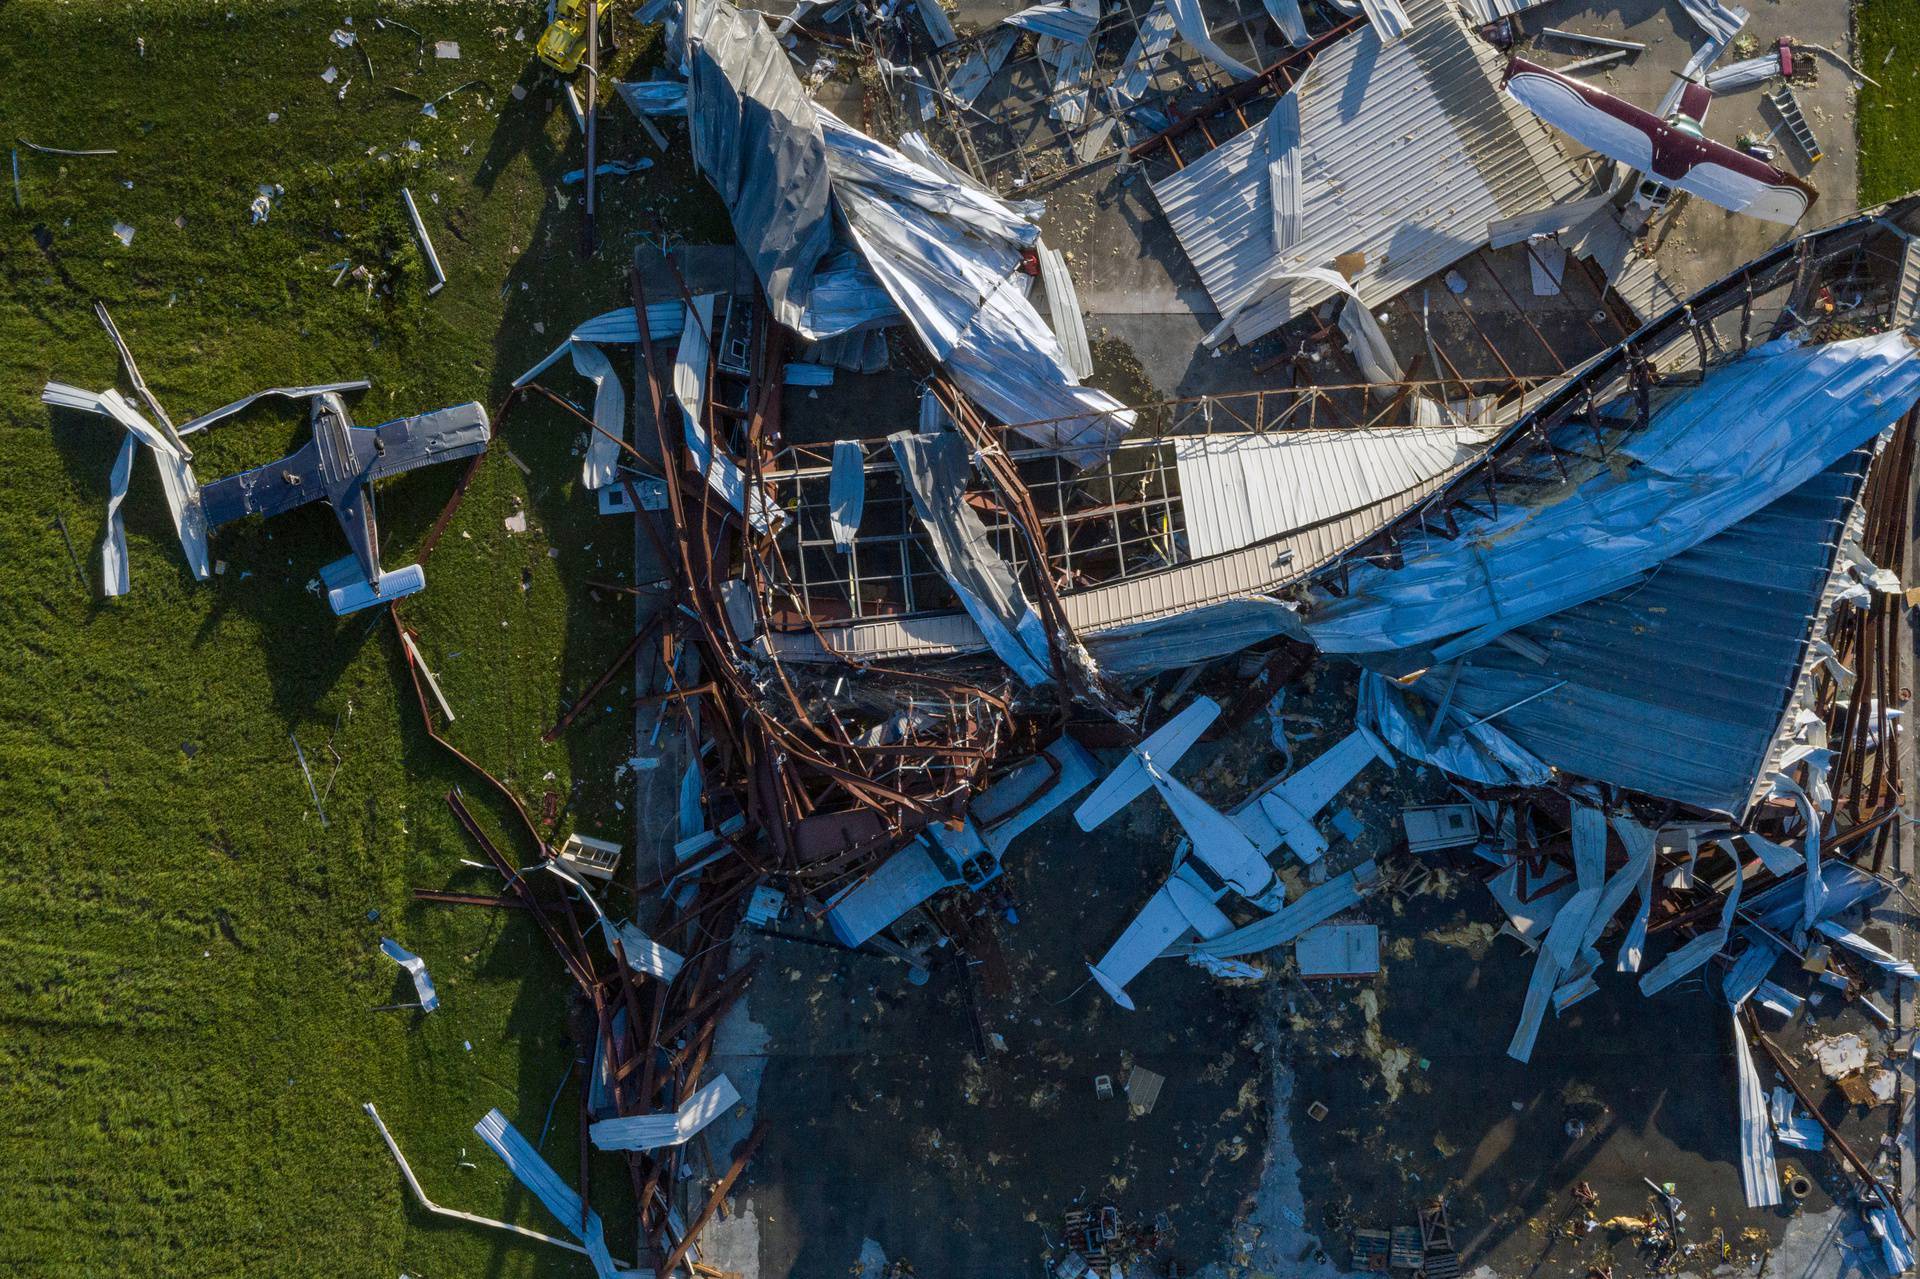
(440, 436)
(1612, 126)
(1283, 810)
(1179, 907)
(1165, 745)
(1616, 128)
(1312, 786)
(273, 489)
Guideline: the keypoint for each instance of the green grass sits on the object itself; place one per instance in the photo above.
(189, 956)
(1888, 36)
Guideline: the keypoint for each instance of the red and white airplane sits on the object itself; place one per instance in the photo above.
(1671, 150)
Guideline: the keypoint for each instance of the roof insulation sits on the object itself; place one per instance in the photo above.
(1377, 121)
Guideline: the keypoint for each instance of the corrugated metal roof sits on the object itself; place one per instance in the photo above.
(1409, 150)
(1240, 489)
(1675, 688)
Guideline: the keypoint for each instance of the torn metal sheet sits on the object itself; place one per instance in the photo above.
(1675, 686)
(1283, 171)
(1873, 954)
(1744, 74)
(1191, 636)
(225, 411)
(417, 969)
(1791, 1126)
(664, 320)
(847, 491)
(1759, 1171)
(1063, 305)
(560, 1199)
(1566, 937)
(652, 99)
(1478, 752)
(113, 547)
(1547, 265)
(977, 72)
(1387, 17)
(756, 138)
(1315, 906)
(1292, 23)
(645, 955)
(1143, 58)
(1071, 23)
(1192, 24)
(934, 18)
(721, 472)
(609, 415)
(1377, 121)
(177, 481)
(1367, 344)
(935, 469)
(1504, 233)
(1720, 22)
(1753, 430)
(656, 1132)
(947, 252)
(1700, 949)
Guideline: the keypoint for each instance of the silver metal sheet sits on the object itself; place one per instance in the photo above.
(1378, 121)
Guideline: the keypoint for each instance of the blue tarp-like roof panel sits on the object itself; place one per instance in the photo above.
(1675, 687)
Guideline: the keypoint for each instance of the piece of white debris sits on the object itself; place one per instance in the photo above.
(140, 43)
(413, 144)
(520, 33)
(341, 37)
(519, 92)
(447, 49)
(539, 326)
(517, 522)
(330, 75)
(273, 117)
(260, 207)
(124, 232)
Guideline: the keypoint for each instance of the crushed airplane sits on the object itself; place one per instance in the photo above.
(338, 466)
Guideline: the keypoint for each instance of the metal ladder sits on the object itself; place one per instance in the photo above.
(1788, 107)
(1906, 295)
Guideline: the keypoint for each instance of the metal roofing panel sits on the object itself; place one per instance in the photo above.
(1676, 687)
(1240, 489)
(1409, 150)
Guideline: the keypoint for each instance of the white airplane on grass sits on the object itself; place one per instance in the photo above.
(1233, 847)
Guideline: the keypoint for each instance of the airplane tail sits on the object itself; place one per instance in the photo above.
(1113, 988)
(348, 591)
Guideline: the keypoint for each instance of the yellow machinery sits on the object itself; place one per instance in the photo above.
(564, 43)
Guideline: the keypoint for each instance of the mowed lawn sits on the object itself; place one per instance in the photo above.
(1888, 34)
(188, 955)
